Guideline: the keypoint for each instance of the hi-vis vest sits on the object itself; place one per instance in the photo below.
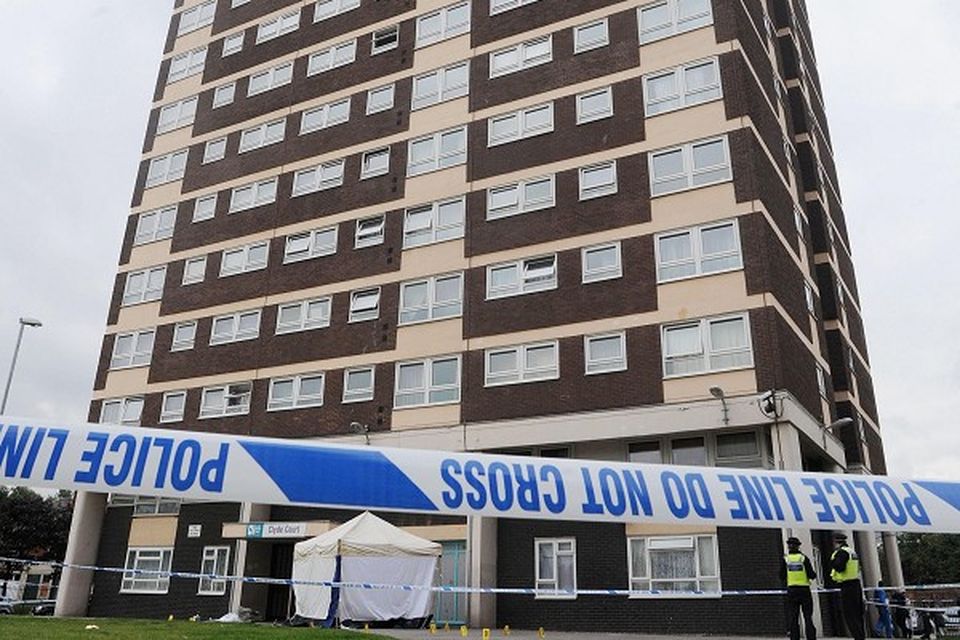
(851, 571)
(796, 570)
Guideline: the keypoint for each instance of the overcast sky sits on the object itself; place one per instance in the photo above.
(75, 89)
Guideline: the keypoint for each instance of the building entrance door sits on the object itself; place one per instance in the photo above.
(451, 608)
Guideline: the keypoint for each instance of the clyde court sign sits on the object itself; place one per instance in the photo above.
(205, 466)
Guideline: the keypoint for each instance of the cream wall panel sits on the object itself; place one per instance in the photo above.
(733, 383)
(432, 259)
(148, 255)
(441, 53)
(640, 529)
(443, 415)
(705, 296)
(138, 316)
(439, 532)
(172, 141)
(124, 382)
(691, 123)
(160, 195)
(182, 88)
(445, 115)
(436, 185)
(429, 338)
(156, 531)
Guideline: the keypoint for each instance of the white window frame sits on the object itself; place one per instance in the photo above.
(697, 257)
(237, 391)
(446, 90)
(365, 312)
(304, 322)
(184, 344)
(317, 242)
(262, 191)
(248, 264)
(233, 44)
(237, 3)
(185, 112)
(583, 117)
(169, 167)
(383, 40)
(596, 366)
(597, 191)
(822, 382)
(235, 334)
(278, 76)
(168, 415)
(324, 117)
(138, 357)
(676, 25)
(435, 231)
(370, 170)
(263, 135)
(428, 388)
(434, 309)
(162, 220)
(213, 561)
(316, 63)
(596, 43)
(187, 64)
(332, 8)
(525, 284)
(278, 26)
(447, 30)
(689, 174)
(523, 60)
(685, 96)
(501, 6)
(214, 150)
(549, 589)
(376, 105)
(809, 299)
(196, 17)
(154, 506)
(129, 411)
(221, 97)
(522, 373)
(641, 585)
(198, 260)
(326, 175)
(605, 273)
(134, 582)
(705, 352)
(297, 400)
(523, 129)
(364, 394)
(522, 203)
(205, 207)
(370, 231)
(437, 160)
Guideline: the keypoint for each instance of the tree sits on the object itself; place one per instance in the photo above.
(930, 558)
(33, 527)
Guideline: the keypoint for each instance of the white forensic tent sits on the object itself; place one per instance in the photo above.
(368, 550)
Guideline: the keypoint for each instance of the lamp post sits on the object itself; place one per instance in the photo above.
(24, 322)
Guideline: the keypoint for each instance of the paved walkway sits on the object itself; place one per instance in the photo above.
(497, 634)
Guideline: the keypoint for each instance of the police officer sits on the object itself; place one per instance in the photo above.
(797, 571)
(845, 571)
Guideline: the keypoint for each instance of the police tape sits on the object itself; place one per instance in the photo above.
(340, 584)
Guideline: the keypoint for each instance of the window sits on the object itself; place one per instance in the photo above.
(194, 270)
(336, 56)
(522, 56)
(214, 562)
(167, 168)
(324, 176)
(598, 180)
(364, 305)
(369, 232)
(276, 27)
(214, 150)
(684, 86)
(303, 315)
(594, 105)
(523, 276)
(205, 207)
(324, 116)
(325, 9)
(176, 115)
(441, 85)
(186, 64)
(253, 195)
(521, 197)
(434, 222)
(223, 95)
(645, 452)
(227, 400)
(591, 36)
(184, 334)
(499, 6)
(249, 257)
(821, 383)
(385, 40)
(152, 505)
(132, 349)
(740, 449)
(442, 24)
(123, 411)
(358, 384)
(525, 123)
(233, 44)
(426, 382)
(295, 392)
(236, 3)
(676, 563)
(556, 567)
(808, 297)
(196, 17)
(375, 163)
(270, 79)
(172, 406)
(670, 17)
(713, 344)
(437, 151)
(431, 298)
(523, 363)
(235, 327)
(263, 135)
(698, 251)
(310, 244)
(601, 262)
(150, 560)
(689, 166)
(155, 225)
(380, 99)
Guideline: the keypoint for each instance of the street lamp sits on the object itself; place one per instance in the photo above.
(718, 393)
(24, 322)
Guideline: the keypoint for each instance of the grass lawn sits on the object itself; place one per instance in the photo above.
(74, 628)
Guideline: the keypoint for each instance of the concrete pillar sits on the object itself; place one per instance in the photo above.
(891, 553)
(482, 547)
(82, 546)
(249, 512)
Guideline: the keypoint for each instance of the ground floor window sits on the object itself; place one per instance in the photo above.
(214, 562)
(674, 563)
(556, 567)
(146, 559)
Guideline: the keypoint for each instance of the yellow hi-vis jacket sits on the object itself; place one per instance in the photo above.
(796, 570)
(851, 571)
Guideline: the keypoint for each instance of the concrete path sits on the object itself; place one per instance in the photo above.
(516, 634)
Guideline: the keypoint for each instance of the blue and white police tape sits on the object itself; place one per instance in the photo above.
(439, 588)
(224, 468)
